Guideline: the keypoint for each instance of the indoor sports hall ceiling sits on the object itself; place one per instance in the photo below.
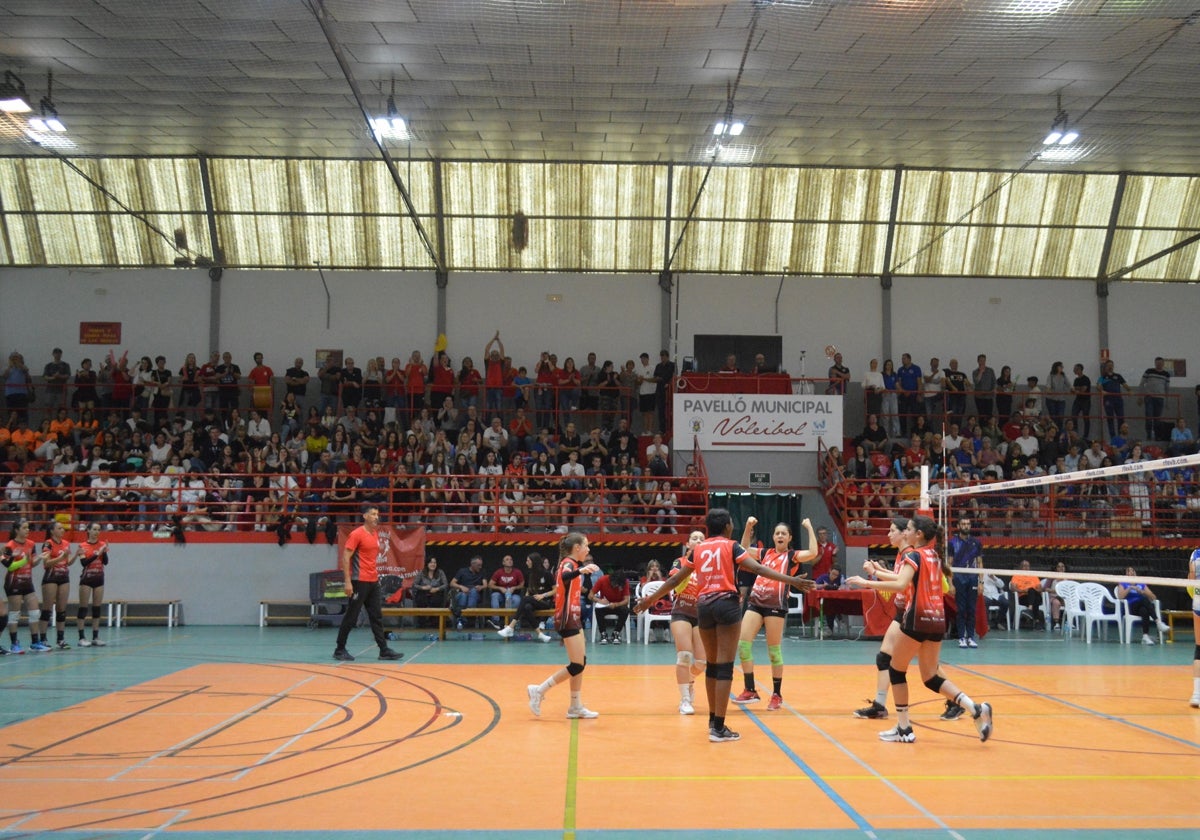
(238, 123)
(858, 83)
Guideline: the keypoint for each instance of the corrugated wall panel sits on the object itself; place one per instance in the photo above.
(1157, 212)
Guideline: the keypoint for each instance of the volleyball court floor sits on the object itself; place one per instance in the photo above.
(207, 732)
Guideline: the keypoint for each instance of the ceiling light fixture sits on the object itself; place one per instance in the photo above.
(48, 121)
(1061, 133)
(392, 125)
(13, 98)
(732, 128)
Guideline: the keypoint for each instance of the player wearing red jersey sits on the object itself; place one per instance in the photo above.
(689, 648)
(768, 606)
(56, 582)
(572, 565)
(93, 557)
(715, 561)
(19, 557)
(922, 627)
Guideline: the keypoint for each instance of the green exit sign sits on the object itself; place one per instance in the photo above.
(760, 481)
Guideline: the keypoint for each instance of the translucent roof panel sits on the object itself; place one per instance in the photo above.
(1002, 224)
(1156, 213)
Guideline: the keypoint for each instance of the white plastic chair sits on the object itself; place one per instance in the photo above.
(1073, 610)
(1094, 597)
(796, 608)
(1130, 619)
(647, 620)
(1018, 609)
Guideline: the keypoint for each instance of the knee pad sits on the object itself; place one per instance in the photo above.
(700, 666)
(897, 677)
(576, 668)
(96, 611)
(744, 651)
(685, 658)
(934, 683)
(711, 670)
(82, 614)
(725, 671)
(883, 661)
(775, 654)
(44, 615)
(1196, 652)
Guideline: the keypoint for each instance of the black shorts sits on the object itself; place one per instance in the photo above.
(645, 403)
(725, 610)
(568, 632)
(921, 637)
(678, 616)
(745, 580)
(767, 612)
(25, 587)
(93, 583)
(60, 580)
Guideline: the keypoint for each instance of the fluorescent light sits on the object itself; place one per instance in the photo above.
(12, 94)
(736, 128)
(1052, 138)
(398, 126)
(718, 129)
(1068, 138)
(55, 124)
(37, 124)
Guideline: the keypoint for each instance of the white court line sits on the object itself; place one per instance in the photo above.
(193, 738)
(932, 817)
(304, 732)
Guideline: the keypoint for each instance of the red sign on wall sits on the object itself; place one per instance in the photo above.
(100, 332)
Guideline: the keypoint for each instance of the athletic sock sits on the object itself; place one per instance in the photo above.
(777, 682)
(12, 636)
(748, 680)
(711, 720)
(576, 699)
(718, 723)
(547, 685)
(62, 636)
(902, 721)
(683, 691)
(966, 702)
(1196, 686)
(881, 697)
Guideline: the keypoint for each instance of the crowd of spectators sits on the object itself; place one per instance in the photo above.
(922, 418)
(142, 445)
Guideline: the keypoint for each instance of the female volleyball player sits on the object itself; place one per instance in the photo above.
(572, 565)
(715, 561)
(93, 557)
(689, 648)
(19, 556)
(56, 582)
(922, 628)
(769, 606)
(1194, 574)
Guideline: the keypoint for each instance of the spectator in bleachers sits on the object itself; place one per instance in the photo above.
(891, 398)
(1057, 389)
(207, 376)
(957, 384)
(839, 376)
(589, 399)
(295, 380)
(873, 437)
(469, 382)
(933, 383)
(330, 377)
(1183, 442)
(909, 388)
(55, 375)
(261, 376)
(229, 377)
(1004, 394)
(873, 388)
(1113, 387)
(983, 386)
(1155, 385)
(372, 386)
(647, 390)
(351, 379)
(86, 379)
(664, 379)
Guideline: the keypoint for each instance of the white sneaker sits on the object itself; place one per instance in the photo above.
(85, 642)
(686, 708)
(535, 698)
(905, 736)
(541, 625)
(1195, 701)
(616, 640)
(581, 712)
(98, 643)
(962, 643)
(505, 632)
(1146, 640)
(971, 643)
(542, 637)
(1164, 627)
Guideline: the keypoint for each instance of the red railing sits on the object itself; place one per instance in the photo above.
(215, 501)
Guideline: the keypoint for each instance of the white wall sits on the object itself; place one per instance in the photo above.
(282, 313)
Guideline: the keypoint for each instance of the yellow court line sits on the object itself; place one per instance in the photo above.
(868, 777)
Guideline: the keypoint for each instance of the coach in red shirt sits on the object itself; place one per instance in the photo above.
(360, 567)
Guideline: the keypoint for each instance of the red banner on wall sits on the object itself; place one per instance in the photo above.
(99, 332)
(401, 551)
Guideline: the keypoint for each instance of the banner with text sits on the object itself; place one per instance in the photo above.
(401, 551)
(730, 422)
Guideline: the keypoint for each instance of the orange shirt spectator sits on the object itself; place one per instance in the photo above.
(27, 438)
(63, 427)
(1023, 582)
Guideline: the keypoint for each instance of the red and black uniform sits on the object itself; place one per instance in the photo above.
(364, 577)
(54, 571)
(18, 581)
(685, 607)
(770, 597)
(925, 616)
(902, 598)
(568, 618)
(715, 562)
(93, 557)
(824, 561)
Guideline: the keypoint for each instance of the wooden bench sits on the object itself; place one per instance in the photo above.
(164, 610)
(293, 612)
(442, 614)
(1171, 616)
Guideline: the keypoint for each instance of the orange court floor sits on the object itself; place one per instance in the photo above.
(230, 732)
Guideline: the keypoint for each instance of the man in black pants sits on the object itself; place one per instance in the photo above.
(360, 567)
